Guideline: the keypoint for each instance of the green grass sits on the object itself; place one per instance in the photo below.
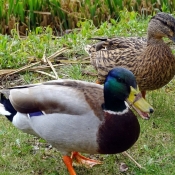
(24, 154)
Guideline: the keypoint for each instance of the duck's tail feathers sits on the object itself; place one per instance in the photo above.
(3, 111)
(87, 49)
(93, 48)
(6, 107)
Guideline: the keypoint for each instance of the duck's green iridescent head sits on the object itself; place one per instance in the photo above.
(120, 85)
(118, 82)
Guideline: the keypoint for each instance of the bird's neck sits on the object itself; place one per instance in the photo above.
(112, 103)
(155, 39)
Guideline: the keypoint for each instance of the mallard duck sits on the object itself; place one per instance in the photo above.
(150, 60)
(74, 116)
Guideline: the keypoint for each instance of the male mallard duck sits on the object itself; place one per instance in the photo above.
(151, 60)
(74, 116)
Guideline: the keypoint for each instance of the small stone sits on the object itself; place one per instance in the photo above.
(123, 167)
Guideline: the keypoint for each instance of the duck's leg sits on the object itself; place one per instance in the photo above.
(143, 94)
(84, 160)
(68, 162)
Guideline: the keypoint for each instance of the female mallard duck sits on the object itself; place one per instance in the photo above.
(74, 116)
(151, 60)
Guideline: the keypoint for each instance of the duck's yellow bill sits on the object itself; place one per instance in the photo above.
(136, 100)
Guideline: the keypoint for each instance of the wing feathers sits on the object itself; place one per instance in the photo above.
(60, 96)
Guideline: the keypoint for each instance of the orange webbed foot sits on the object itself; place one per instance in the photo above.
(84, 160)
(80, 160)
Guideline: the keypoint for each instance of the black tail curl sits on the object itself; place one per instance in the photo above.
(8, 107)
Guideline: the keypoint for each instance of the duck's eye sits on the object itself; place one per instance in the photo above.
(120, 80)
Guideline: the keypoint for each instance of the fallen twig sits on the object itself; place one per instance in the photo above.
(126, 154)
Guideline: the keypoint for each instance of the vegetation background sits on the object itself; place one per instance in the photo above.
(44, 40)
(65, 14)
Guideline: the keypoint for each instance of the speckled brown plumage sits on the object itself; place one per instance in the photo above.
(151, 60)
